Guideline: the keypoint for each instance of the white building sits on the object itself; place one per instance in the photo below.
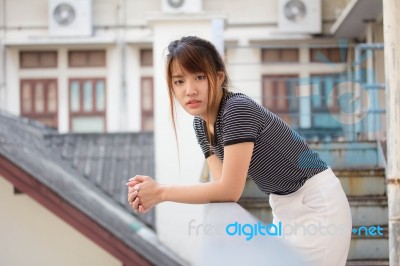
(98, 66)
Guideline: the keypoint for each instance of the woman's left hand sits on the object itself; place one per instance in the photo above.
(143, 193)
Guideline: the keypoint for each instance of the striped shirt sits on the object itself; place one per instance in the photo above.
(282, 161)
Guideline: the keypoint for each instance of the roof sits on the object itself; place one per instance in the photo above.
(107, 161)
(351, 22)
(89, 171)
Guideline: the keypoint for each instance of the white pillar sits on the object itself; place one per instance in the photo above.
(2, 56)
(63, 91)
(121, 47)
(391, 11)
(173, 219)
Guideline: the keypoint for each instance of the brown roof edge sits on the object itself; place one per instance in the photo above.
(70, 214)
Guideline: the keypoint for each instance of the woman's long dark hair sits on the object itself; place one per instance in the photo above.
(196, 55)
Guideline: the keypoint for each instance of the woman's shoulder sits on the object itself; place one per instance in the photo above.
(239, 101)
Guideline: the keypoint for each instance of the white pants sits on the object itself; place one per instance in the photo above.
(316, 220)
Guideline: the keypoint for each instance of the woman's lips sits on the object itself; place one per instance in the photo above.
(193, 104)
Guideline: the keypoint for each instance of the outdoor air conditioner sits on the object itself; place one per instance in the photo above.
(70, 17)
(182, 6)
(300, 16)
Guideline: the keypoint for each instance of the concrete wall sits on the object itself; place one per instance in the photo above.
(32, 235)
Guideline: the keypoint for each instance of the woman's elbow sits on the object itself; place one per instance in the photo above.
(235, 196)
(230, 194)
(227, 197)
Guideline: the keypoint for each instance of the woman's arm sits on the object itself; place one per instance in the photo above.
(228, 187)
(215, 167)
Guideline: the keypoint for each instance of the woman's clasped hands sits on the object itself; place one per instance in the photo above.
(143, 193)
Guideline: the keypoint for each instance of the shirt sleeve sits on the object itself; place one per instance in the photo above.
(242, 121)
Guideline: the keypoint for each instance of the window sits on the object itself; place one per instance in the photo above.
(95, 58)
(280, 55)
(324, 92)
(279, 96)
(147, 103)
(39, 100)
(38, 59)
(326, 55)
(146, 57)
(325, 101)
(87, 104)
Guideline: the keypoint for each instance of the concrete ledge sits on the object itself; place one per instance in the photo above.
(367, 263)
(223, 249)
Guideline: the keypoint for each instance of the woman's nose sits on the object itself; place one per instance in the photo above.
(191, 93)
(190, 90)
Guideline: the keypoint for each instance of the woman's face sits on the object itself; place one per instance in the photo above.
(190, 89)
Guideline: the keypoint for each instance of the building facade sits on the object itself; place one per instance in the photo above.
(95, 73)
(98, 66)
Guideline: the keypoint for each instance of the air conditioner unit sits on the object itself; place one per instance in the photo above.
(182, 6)
(300, 16)
(70, 17)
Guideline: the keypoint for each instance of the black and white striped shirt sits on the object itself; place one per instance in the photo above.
(281, 162)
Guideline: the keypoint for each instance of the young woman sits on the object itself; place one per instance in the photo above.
(241, 138)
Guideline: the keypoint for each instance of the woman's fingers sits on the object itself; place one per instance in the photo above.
(132, 195)
(132, 183)
(139, 178)
(133, 191)
(135, 204)
(143, 185)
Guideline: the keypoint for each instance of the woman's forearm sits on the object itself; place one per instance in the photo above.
(198, 193)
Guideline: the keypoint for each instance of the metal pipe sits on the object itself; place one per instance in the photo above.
(370, 80)
(284, 46)
(364, 126)
(364, 46)
(357, 92)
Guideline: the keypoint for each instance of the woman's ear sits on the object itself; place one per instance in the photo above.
(221, 78)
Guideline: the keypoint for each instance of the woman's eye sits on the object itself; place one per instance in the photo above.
(201, 77)
(178, 82)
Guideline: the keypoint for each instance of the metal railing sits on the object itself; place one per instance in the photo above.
(372, 125)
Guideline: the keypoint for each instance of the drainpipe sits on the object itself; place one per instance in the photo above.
(372, 118)
(357, 92)
(370, 80)
(391, 27)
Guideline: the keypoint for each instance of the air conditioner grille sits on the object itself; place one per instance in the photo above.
(300, 16)
(64, 14)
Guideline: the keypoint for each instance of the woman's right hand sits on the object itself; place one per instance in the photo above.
(133, 199)
(144, 193)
